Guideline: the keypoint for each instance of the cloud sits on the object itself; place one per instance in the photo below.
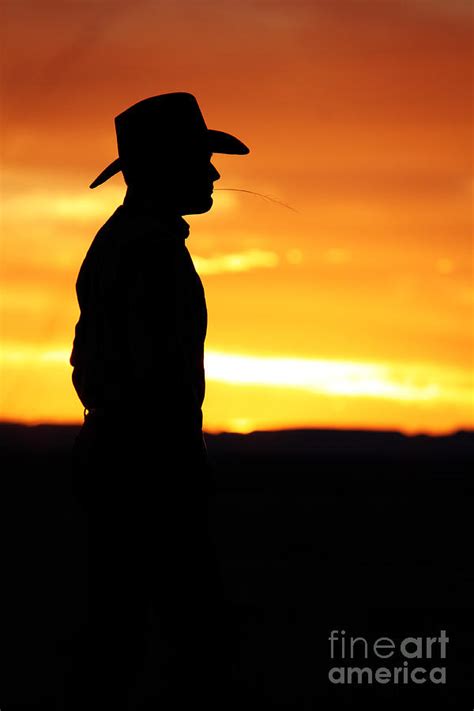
(405, 382)
(410, 382)
(55, 205)
(236, 262)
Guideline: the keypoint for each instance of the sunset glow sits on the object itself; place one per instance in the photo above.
(341, 294)
(426, 385)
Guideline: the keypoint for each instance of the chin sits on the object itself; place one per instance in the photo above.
(199, 207)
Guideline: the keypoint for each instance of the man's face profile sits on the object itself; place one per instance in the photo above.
(193, 183)
(183, 184)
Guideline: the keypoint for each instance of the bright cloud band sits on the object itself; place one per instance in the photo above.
(341, 378)
(410, 382)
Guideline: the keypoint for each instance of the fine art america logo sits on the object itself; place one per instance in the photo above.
(415, 660)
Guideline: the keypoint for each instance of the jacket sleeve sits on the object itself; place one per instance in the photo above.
(159, 375)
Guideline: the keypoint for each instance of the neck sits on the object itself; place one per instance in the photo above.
(149, 204)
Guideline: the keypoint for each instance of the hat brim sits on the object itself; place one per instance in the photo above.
(218, 142)
(221, 142)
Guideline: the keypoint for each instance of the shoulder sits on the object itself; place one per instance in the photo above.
(136, 240)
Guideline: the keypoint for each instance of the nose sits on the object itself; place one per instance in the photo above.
(214, 174)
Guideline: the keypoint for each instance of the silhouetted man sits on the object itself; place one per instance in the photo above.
(141, 471)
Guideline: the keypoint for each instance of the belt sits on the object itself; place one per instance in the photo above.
(97, 412)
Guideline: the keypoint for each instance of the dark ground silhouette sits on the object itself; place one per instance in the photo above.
(365, 532)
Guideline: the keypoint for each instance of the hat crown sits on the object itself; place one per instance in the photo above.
(177, 113)
(155, 131)
(157, 128)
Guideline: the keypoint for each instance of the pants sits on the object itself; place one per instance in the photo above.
(158, 627)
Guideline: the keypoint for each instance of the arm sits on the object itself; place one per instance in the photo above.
(156, 341)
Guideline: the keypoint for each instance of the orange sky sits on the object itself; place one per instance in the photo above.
(355, 308)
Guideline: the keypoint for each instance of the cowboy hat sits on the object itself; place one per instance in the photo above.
(155, 129)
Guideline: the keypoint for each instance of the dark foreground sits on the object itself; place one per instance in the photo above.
(357, 534)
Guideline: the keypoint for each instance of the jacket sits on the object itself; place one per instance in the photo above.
(139, 341)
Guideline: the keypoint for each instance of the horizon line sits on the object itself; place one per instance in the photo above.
(270, 430)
